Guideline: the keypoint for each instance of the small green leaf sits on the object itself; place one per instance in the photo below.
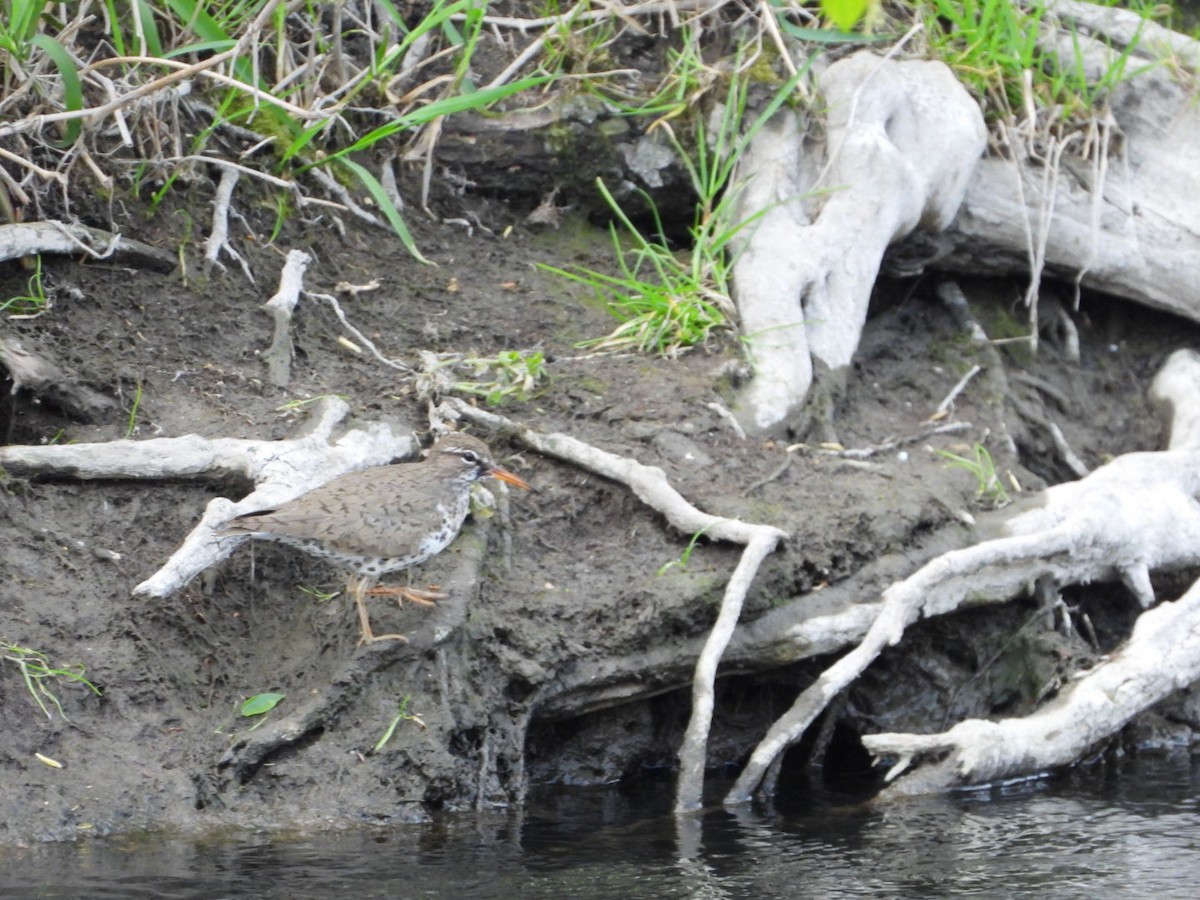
(845, 14)
(260, 703)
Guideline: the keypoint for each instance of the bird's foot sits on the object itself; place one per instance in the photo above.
(369, 637)
(416, 595)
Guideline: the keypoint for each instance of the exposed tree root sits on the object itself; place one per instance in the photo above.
(1161, 656)
(1120, 218)
(903, 139)
(285, 469)
(40, 375)
(218, 237)
(650, 485)
(281, 306)
(1139, 513)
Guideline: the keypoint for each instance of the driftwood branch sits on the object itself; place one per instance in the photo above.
(31, 238)
(281, 307)
(280, 471)
(1161, 656)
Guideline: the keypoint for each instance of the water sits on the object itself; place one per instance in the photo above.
(1094, 834)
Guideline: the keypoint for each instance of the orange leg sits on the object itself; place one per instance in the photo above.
(358, 589)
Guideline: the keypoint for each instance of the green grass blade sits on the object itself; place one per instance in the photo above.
(831, 36)
(434, 20)
(384, 202)
(447, 107)
(196, 17)
(118, 37)
(22, 23)
(219, 45)
(213, 36)
(72, 89)
(149, 28)
(303, 139)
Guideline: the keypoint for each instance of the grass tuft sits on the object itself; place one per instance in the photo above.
(34, 301)
(40, 674)
(988, 486)
(670, 301)
(993, 46)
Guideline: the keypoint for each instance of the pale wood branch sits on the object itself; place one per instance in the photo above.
(50, 236)
(1161, 656)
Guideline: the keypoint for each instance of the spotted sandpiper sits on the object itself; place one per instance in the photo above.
(383, 519)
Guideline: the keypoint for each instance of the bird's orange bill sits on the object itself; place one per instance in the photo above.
(505, 475)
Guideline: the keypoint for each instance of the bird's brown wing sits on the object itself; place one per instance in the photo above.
(368, 513)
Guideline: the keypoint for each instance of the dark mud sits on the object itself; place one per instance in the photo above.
(568, 575)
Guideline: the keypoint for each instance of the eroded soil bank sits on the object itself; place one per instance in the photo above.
(572, 575)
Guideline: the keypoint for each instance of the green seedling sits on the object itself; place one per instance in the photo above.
(33, 302)
(988, 485)
(318, 594)
(403, 715)
(39, 674)
(687, 552)
(133, 412)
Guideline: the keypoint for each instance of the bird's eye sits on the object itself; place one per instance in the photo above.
(470, 456)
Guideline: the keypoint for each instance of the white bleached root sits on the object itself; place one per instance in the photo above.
(1161, 656)
(650, 485)
(1138, 514)
(52, 236)
(902, 140)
